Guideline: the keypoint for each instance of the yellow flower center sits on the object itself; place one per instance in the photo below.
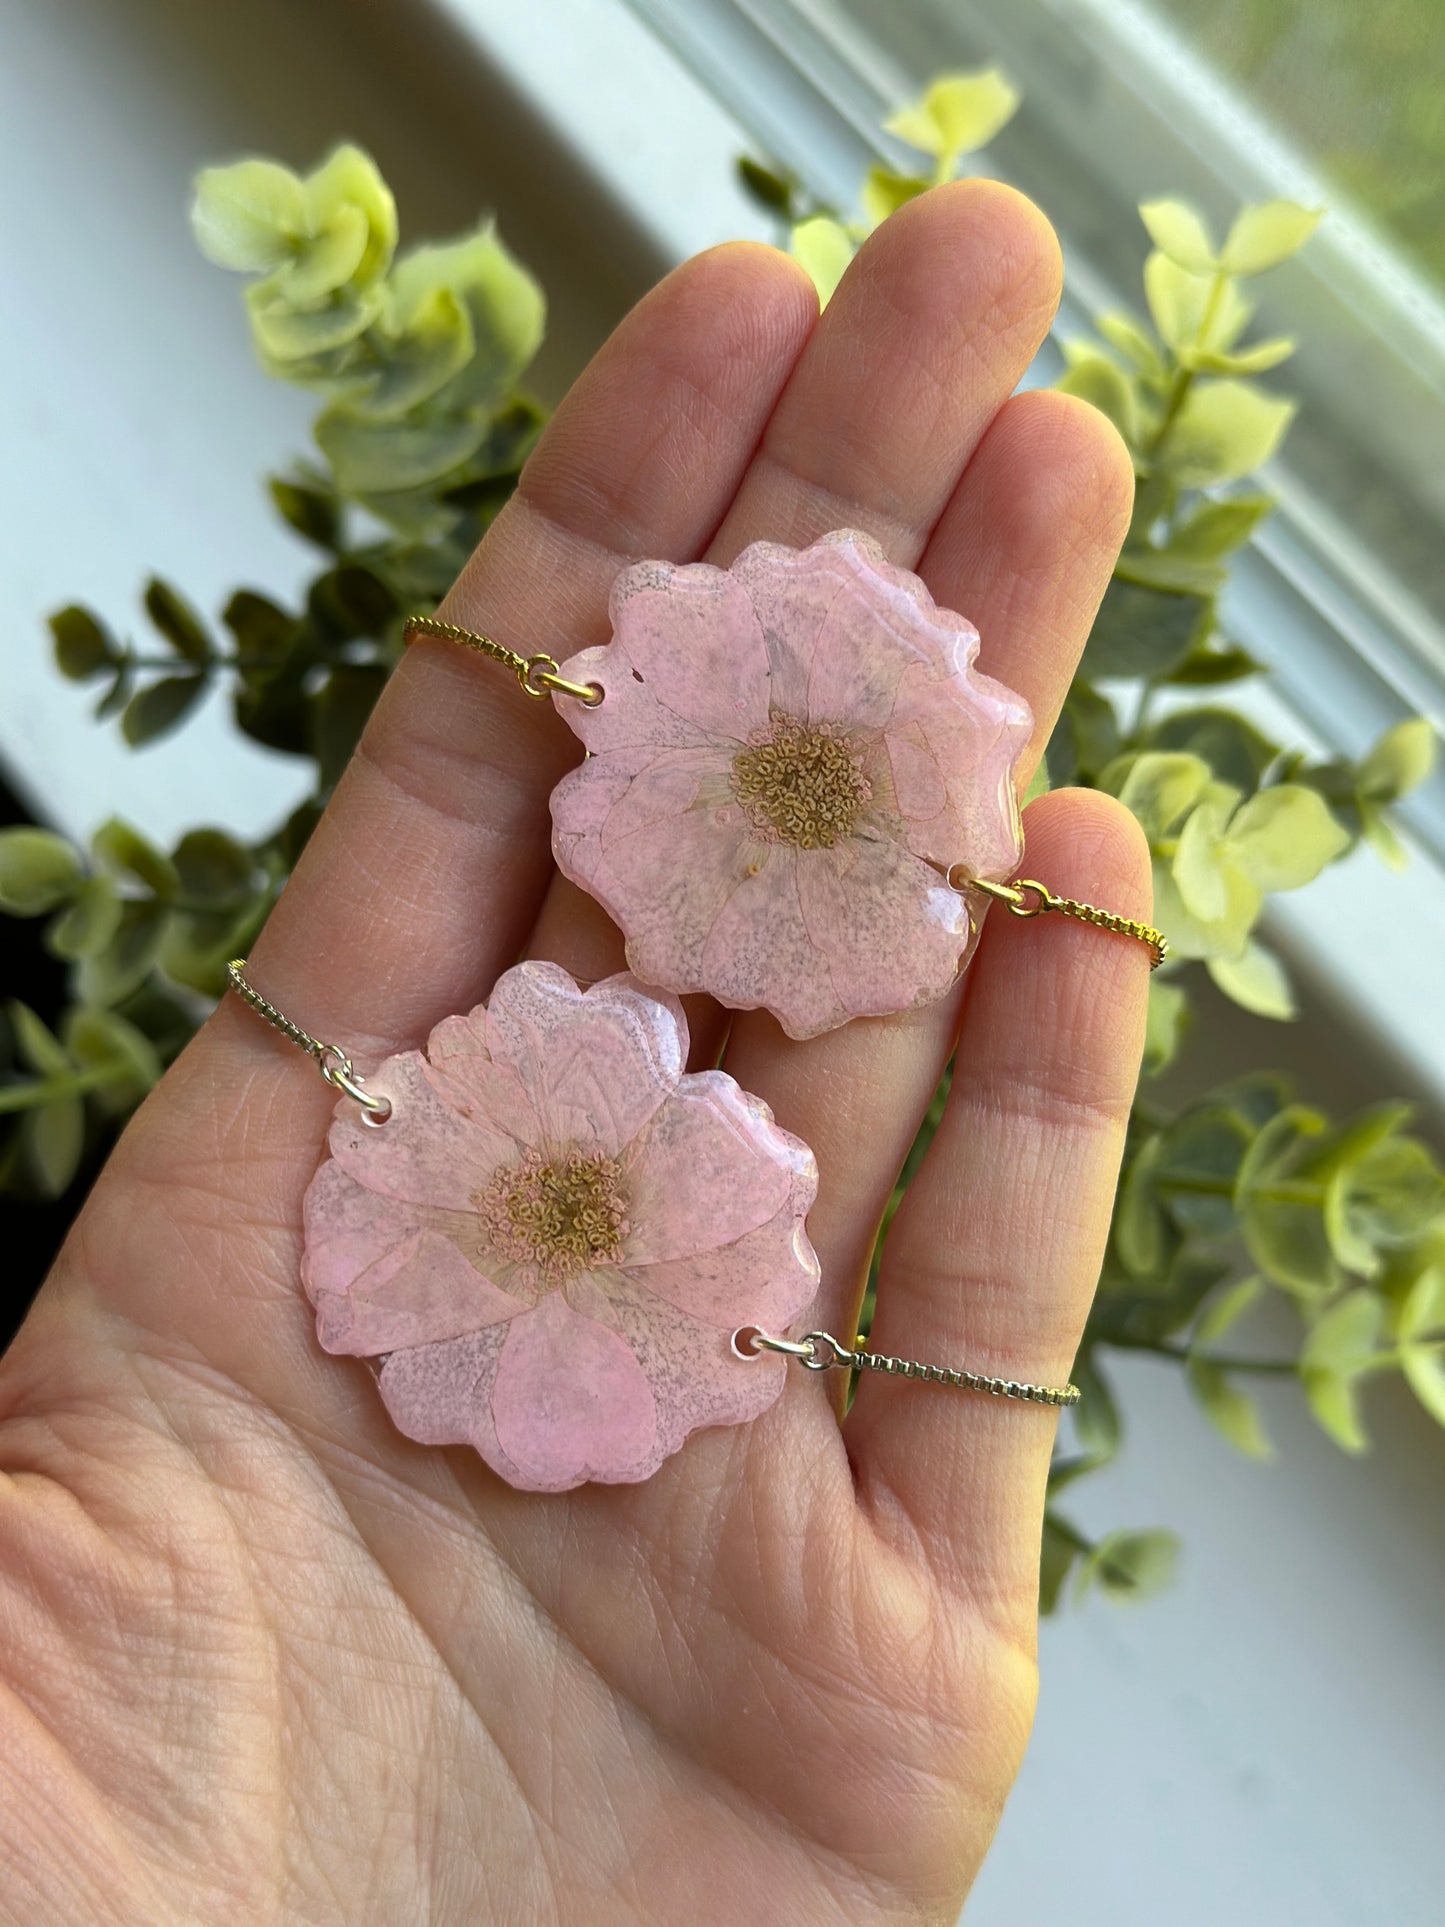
(803, 783)
(562, 1214)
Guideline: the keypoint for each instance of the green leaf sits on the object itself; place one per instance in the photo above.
(1125, 334)
(1399, 762)
(1143, 1236)
(1096, 1417)
(1161, 788)
(1207, 668)
(1129, 1565)
(1232, 1412)
(1141, 631)
(884, 192)
(1086, 736)
(1168, 1020)
(1222, 1314)
(310, 511)
(1224, 430)
(1381, 1196)
(325, 261)
(1204, 880)
(1179, 232)
(381, 456)
(1379, 833)
(121, 847)
(959, 113)
(1058, 1552)
(436, 344)
(1174, 571)
(1182, 303)
(35, 1045)
(1098, 381)
(290, 339)
(1263, 236)
(1232, 748)
(89, 922)
(771, 190)
(825, 250)
(248, 216)
(1256, 981)
(504, 304)
(339, 716)
(53, 1141)
(38, 870)
(1335, 1404)
(160, 707)
(1283, 837)
(262, 628)
(83, 646)
(102, 1040)
(1257, 360)
(214, 868)
(1345, 1336)
(108, 975)
(1422, 1318)
(177, 621)
(347, 183)
(1216, 529)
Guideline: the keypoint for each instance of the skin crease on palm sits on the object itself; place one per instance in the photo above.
(263, 1659)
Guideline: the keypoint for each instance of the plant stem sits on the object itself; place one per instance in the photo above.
(1182, 1354)
(1184, 377)
(38, 1091)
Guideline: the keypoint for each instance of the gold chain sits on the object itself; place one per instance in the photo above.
(538, 675)
(820, 1352)
(1027, 898)
(333, 1063)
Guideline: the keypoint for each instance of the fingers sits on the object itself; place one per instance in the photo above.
(1024, 549)
(426, 872)
(992, 1260)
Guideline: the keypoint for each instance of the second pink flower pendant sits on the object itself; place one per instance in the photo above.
(789, 757)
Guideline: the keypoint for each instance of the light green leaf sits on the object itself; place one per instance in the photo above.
(1160, 788)
(825, 249)
(1168, 1019)
(1232, 1412)
(437, 344)
(504, 303)
(348, 182)
(1181, 303)
(1217, 528)
(1199, 869)
(1345, 1336)
(391, 456)
(1263, 236)
(248, 216)
(1402, 759)
(884, 192)
(89, 921)
(1224, 430)
(1379, 833)
(1129, 1565)
(1096, 1416)
(1335, 1404)
(958, 114)
(1256, 981)
(289, 339)
(108, 975)
(1283, 837)
(1179, 232)
(35, 1046)
(1223, 1313)
(324, 263)
(1122, 332)
(1239, 361)
(102, 1040)
(53, 1137)
(1423, 1361)
(1097, 380)
(121, 848)
(38, 870)
(1038, 783)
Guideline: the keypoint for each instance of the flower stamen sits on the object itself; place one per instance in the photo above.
(802, 783)
(559, 1215)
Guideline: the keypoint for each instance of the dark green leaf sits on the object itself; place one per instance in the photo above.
(177, 621)
(1217, 528)
(351, 601)
(1206, 667)
(1060, 1548)
(1130, 1565)
(121, 847)
(101, 1040)
(36, 1048)
(339, 715)
(111, 974)
(1096, 1417)
(38, 870)
(771, 190)
(311, 512)
(1234, 749)
(214, 868)
(118, 695)
(157, 709)
(1141, 631)
(264, 632)
(1085, 738)
(83, 647)
(53, 1137)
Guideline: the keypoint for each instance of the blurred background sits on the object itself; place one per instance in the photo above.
(1261, 1742)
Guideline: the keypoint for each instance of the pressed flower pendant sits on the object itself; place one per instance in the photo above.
(787, 760)
(557, 1230)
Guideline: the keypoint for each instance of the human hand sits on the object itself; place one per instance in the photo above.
(260, 1656)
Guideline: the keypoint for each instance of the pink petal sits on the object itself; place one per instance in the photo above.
(710, 1166)
(687, 662)
(760, 952)
(571, 1402)
(461, 1072)
(384, 1274)
(594, 1064)
(695, 1376)
(767, 1277)
(427, 1152)
(969, 744)
(892, 932)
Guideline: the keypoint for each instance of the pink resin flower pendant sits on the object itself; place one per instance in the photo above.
(788, 758)
(555, 1233)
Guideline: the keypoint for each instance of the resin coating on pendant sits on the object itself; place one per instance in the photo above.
(554, 1235)
(788, 757)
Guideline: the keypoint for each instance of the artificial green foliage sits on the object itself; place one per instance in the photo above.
(1244, 1213)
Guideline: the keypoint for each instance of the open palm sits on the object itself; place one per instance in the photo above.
(263, 1659)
